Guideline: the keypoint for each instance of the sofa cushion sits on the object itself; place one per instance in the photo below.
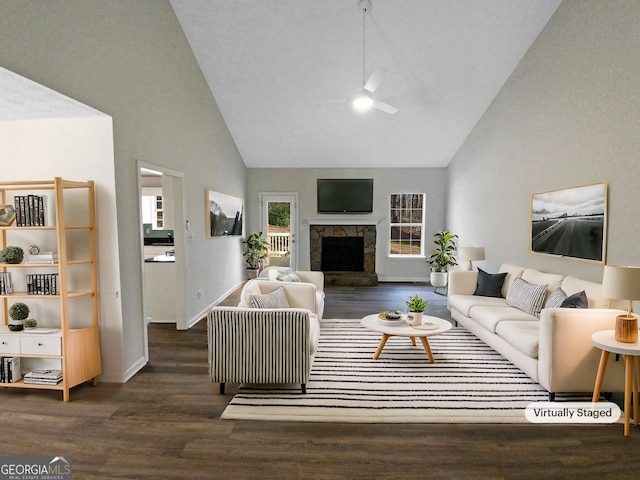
(489, 284)
(526, 296)
(593, 290)
(464, 303)
(552, 280)
(523, 335)
(275, 299)
(513, 272)
(555, 299)
(490, 317)
(250, 288)
(577, 300)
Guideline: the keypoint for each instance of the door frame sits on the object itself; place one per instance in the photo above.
(292, 199)
(179, 245)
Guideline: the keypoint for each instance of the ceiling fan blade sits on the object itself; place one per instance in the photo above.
(384, 107)
(375, 79)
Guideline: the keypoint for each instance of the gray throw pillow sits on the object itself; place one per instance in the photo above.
(555, 299)
(577, 300)
(526, 296)
(489, 284)
(275, 299)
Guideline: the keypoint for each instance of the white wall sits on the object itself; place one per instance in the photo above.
(386, 181)
(568, 116)
(77, 149)
(130, 59)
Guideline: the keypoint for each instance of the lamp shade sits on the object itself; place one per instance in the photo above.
(471, 254)
(622, 283)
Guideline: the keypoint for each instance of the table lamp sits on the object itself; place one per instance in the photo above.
(470, 254)
(623, 283)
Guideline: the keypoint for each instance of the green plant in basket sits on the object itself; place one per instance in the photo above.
(416, 304)
(11, 254)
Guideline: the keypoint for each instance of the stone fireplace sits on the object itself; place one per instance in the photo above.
(346, 254)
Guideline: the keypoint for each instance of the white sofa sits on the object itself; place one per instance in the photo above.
(270, 337)
(555, 348)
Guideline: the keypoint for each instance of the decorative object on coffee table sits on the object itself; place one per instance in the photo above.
(623, 283)
(18, 312)
(416, 306)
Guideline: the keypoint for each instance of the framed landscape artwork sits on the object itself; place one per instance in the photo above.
(223, 214)
(571, 222)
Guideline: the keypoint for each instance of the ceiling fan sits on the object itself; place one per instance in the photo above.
(364, 101)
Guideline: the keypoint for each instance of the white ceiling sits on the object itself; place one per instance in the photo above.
(23, 99)
(271, 63)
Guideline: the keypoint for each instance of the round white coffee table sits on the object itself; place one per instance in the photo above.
(371, 322)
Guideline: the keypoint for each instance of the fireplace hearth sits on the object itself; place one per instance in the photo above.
(346, 254)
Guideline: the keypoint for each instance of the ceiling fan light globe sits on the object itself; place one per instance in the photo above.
(362, 103)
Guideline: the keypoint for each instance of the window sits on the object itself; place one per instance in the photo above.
(407, 224)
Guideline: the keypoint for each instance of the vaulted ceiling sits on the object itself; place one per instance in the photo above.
(276, 67)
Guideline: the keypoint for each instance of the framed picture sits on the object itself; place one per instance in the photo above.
(223, 214)
(571, 222)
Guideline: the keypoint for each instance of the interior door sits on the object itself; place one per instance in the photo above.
(279, 225)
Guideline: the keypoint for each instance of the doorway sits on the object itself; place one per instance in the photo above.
(162, 241)
(280, 224)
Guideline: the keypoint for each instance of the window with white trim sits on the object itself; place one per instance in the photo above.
(407, 216)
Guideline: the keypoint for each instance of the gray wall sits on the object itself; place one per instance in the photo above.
(130, 60)
(386, 181)
(568, 116)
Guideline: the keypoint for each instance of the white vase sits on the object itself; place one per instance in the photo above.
(415, 318)
(438, 279)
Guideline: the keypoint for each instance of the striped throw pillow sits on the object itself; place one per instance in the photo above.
(555, 299)
(275, 299)
(526, 296)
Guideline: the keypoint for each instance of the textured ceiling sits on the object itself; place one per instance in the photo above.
(23, 99)
(274, 66)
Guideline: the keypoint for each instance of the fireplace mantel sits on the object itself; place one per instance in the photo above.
(342, 220)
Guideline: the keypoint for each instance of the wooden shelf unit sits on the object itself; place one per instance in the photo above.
(80, 358)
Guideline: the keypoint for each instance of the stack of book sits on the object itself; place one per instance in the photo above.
(31, 210)
(42, 283)
(10, 369)
(6, 287)
(44, 257)
(43, 377)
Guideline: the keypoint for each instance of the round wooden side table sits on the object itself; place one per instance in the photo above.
(605, 341)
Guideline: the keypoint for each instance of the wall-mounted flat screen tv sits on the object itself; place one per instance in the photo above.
(345, 195)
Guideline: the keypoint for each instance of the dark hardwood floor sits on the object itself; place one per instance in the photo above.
(164, 424)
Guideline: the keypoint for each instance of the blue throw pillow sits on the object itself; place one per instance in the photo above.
(489, 284)
(577, 300)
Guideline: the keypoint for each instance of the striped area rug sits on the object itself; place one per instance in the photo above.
(468, 383)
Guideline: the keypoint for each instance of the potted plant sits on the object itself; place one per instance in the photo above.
(11, 254)
(254, 252)
(442, 258)
(30, 324)
(18, 313)
(416, 306)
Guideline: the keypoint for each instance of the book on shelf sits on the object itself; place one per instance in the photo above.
(31, 210)
(43, 257)
(6, 285)
(10, 369)
(42, 283)
(43, 377)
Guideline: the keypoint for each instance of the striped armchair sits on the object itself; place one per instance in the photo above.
(249, 345)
